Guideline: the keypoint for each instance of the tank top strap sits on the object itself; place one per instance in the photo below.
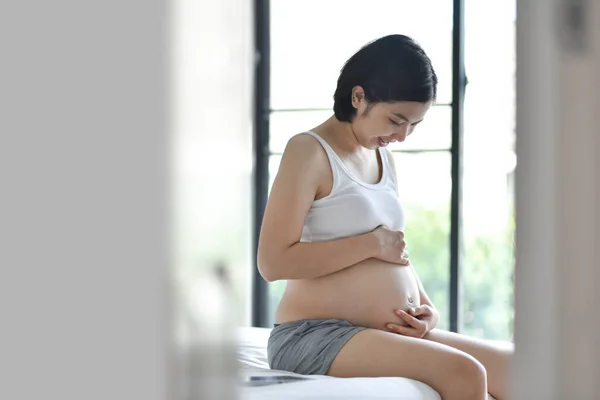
(387, 165)
(334, 161)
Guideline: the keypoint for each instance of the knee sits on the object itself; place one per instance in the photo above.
(469, 377)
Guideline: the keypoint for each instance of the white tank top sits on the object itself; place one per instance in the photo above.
(353, 207)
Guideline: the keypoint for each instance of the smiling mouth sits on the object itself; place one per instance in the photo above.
(383, 142)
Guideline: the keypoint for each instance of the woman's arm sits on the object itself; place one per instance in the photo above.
(304, 169)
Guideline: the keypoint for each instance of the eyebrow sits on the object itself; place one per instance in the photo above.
(406, 119)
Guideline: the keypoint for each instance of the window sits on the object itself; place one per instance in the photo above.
(489, 161)
(309, 43)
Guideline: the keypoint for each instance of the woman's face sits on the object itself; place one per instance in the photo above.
(377, 125)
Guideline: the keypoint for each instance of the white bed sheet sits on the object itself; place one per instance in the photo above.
(252, 357)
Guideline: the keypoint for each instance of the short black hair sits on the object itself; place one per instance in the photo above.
(391, 68)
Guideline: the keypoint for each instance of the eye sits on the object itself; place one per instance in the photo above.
(394, 122)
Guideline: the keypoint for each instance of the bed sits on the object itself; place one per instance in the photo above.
(255, 373)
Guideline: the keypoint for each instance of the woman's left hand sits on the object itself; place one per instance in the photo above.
(420, 321)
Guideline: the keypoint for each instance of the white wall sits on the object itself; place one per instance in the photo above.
(557, 326)
(211, 78)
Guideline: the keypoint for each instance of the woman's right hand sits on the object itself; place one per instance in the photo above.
(391, 246)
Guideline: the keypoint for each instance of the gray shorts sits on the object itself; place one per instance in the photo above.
(308, 347)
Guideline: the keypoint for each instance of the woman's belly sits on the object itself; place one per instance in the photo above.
(366, 294)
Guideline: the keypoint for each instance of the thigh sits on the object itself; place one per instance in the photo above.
(376, 353)
(492, 354)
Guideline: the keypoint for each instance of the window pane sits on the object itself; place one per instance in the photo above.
(284, 125)
(425, 185)
(488, 169)
(427, 208)
(312, 39)
(433, 133)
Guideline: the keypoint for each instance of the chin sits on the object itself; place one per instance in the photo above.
(371, 144)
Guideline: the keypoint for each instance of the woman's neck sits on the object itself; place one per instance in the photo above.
(341, 133)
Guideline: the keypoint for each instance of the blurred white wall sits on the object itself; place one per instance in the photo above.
(211, 81)
(557, 329)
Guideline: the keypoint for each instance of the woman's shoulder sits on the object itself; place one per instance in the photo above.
(305, 146)
(304, 157)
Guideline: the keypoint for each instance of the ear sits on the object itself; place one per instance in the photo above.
(358, 98)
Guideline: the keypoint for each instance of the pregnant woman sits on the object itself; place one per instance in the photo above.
(333, 228)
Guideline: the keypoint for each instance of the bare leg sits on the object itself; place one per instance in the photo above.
(454, 374)
(493, 355)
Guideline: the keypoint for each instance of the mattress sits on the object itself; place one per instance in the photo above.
(263, 383)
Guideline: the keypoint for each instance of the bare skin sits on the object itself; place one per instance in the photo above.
(364, 279)
(494, 356)
(455, 375)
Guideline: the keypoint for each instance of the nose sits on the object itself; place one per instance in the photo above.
(400, 134)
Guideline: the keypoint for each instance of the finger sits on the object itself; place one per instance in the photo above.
(404, 258)
(409, 319)
(404, 330)
(404, 261)
(421, 310)
(418, 324)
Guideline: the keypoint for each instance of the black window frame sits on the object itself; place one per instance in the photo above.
(262, 112)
